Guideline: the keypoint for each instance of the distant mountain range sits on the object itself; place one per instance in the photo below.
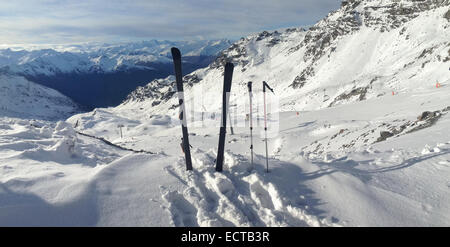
(100, 58)
(101, 75)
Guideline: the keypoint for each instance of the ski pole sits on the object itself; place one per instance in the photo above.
(249, 85)
(265, 122)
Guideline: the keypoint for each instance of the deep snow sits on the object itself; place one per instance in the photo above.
(52, 176)
(343, 156)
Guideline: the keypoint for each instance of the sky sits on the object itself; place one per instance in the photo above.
(79, 21)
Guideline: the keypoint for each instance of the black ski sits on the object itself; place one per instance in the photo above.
(176, 55)
(226, 96)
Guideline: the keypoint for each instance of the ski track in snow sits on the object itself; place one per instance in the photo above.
(389, 180)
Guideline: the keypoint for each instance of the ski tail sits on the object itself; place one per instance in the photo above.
(176, 55)
(228, 76)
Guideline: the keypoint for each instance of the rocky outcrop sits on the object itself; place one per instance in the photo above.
(348, 19)
(425, 120)
(360, 93)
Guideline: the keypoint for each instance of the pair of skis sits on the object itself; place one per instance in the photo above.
(176, 55)
(265, 85)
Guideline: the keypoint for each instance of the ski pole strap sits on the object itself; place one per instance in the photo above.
(266, 85)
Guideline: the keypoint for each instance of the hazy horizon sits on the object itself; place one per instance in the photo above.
(110, 21)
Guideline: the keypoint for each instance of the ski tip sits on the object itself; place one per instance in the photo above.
(229, 65)
(176, 54)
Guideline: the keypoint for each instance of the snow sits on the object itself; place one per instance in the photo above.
(93, 57)
(377, 63)
(25, 99)
(329, 163)
(381, 184)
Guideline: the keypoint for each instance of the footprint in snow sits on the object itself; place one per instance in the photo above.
(334, 220)
(59, 174)
(182, 211)
(232, 140)
(427, 208)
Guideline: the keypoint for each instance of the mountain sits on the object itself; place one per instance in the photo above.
(363, 50)
(360, 138)
(99, 58)
(20, 98)
(99, 75)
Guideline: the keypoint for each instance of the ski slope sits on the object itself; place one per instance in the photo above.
(52, 176)
(360, 138)
(341, 59)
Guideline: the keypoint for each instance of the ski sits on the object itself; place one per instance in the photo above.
(226, 96)
(176, 55)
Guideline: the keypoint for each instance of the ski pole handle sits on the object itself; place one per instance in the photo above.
(267, 85)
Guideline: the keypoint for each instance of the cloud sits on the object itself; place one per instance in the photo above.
(64, 21)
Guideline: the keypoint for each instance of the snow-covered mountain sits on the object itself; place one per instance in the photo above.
(101, 75)
(21, 98)
(365, 49)
(361, 137)
(99, 58)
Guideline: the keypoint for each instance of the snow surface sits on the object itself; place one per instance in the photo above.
(330, 164)
(364, 184)
(52, 176)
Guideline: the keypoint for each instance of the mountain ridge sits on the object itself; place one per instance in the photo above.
(364, 49)
(21, 98)
(104, 58)
(102, 75)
